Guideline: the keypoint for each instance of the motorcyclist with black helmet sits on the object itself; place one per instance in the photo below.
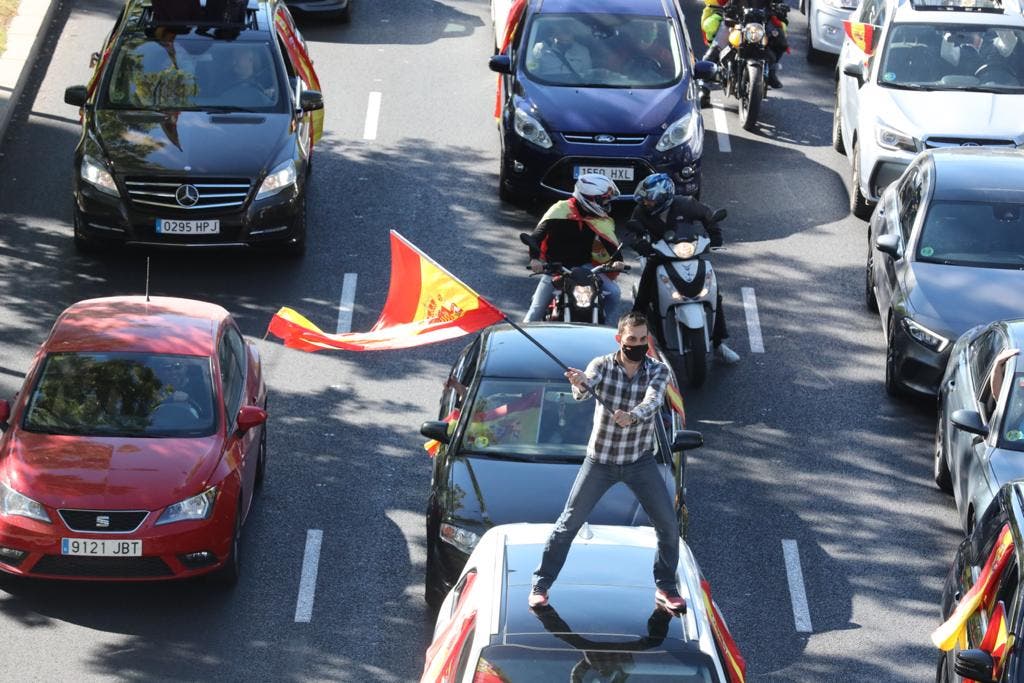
(659, 209)
(576, 231)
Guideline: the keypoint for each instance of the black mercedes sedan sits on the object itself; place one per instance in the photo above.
(516, 441)
(945, 253)
(197, 132)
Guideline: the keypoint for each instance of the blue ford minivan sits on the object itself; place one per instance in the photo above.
(598, 86)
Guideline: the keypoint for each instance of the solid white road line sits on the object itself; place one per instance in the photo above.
(372, 114)
(307, 584)
(348, 300)
(721, 128)
(797, 594)
(753, 320)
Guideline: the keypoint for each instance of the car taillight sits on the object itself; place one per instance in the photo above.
(487, 673)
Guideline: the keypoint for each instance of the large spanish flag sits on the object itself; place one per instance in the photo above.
(426, 304)
(946, 636)
(864, 36)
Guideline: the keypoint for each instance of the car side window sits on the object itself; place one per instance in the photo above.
(232, 371)
(982, 353)
(909, 203)
(288, 65)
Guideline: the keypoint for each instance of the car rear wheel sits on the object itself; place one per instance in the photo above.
(940, 469)
(859, 204)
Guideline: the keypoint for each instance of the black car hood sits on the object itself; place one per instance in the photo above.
(503, 492)
(235, 144)
(957, 298)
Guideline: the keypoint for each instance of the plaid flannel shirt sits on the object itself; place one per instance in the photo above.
(641, 396)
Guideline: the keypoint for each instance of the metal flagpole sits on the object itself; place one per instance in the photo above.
(559, 362)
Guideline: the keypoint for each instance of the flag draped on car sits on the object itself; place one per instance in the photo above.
(864, 36)
(946, 636)
(425, 304)
(734, 664)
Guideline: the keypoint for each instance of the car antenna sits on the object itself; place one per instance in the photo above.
(147, 279)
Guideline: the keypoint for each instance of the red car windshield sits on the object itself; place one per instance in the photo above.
(123, 394)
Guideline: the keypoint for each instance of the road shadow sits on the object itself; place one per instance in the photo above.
(394, 22)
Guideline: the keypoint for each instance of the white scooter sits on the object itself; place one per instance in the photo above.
(687, 292)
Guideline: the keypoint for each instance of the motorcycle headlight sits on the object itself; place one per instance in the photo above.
(922, 335)
(97, 175)
(529, 129)
(583, 295)
(684, 249)
(196, 507)
(282, 176)
(890, 138)
(462, 539)
(686, 129)
(14, 503)
(753, 33)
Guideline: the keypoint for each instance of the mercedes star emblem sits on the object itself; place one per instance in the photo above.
(187, 195)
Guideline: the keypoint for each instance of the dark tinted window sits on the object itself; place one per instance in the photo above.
(186, 72)
(232, 371)
(983, 351)
(122, 394)
(528, 665)
(1012, 433)
(910, 202)
(979, 234)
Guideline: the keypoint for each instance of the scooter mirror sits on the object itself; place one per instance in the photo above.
(719, 215)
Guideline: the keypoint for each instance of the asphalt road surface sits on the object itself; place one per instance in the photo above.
(813, 513)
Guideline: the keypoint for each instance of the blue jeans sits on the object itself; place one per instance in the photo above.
(610, 297)
(592, 481)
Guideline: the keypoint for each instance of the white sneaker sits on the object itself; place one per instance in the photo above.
(727, 355)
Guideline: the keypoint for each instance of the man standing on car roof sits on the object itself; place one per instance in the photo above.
(631, 388)
(575, 232)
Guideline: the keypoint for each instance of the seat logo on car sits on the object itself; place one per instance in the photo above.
(187, 195)
(604, 138)
(102, 521)
(970, 144)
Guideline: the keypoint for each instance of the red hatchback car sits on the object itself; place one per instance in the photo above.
(135, 446)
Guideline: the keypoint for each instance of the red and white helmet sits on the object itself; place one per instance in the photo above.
(594, 193)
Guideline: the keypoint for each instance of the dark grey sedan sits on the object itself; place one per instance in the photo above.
(945, 253)
(979, 438)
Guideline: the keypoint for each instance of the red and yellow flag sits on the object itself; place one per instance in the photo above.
(946, 636)
(515, 16)
(864, 36)
(426, 304)
(996, 637)
(734, 664)
(442, 655)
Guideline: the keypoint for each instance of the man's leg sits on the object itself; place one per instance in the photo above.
(647, 484)
(720, 333)
(591, 483)
(611, 295)
(541, 298)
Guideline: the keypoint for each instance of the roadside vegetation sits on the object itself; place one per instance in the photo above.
(7, 10)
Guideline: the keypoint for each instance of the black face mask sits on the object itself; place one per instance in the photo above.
(634, 353)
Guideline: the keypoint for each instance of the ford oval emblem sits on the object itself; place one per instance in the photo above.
(604, 138)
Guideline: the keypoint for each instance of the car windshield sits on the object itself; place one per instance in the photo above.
(122, 394)
(980, 234)
(603, 51)
(1012, 435)
(954, 57)
(511, 664)
(528, 418)
(184, 72)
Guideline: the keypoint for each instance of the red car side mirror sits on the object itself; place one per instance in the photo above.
(5, 412)
(249, 417)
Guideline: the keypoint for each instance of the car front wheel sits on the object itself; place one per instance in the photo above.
(229, 574)
(892, 384)
(940, 468)
(859, 204)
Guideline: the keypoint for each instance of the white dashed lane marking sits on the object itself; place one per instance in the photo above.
(797, 594)
(753, 320)
(721, 128)
(348, 299)
(307, 584)
(372, 114)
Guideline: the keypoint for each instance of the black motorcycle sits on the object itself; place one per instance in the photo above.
(578, 295)
(745, 59)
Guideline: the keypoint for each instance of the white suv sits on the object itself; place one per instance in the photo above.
(944, 73)
(601, 618)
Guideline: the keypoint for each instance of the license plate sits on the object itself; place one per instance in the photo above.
(614, 173)
(169, 226)
(100, 547)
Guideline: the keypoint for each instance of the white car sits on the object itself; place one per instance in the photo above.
(949, 75)
(601, 618)
(825, 26)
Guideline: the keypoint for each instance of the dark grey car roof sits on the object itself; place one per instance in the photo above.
(979, 173)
